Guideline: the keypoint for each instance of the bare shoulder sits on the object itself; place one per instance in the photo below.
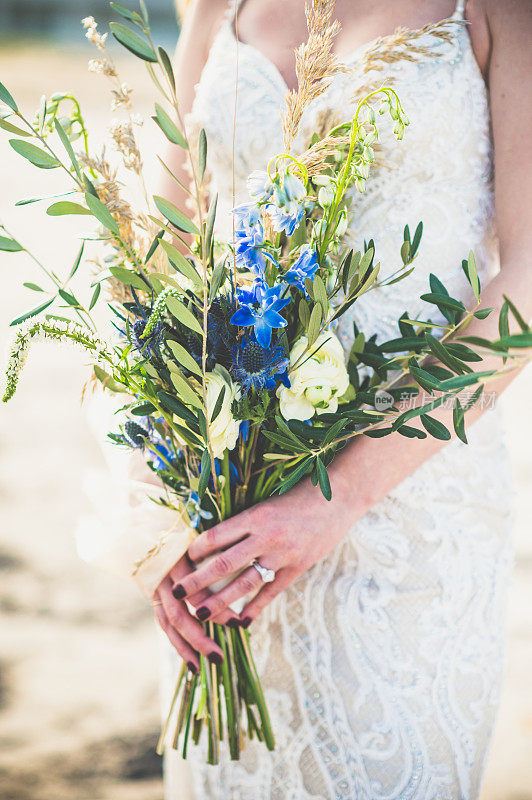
(207, 14)
(509, 13)
(496, 25)
(200, 25)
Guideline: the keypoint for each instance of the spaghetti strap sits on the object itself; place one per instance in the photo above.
(233, 8)
(460, 9)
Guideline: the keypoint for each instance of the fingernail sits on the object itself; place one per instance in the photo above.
(215, 658)
(246, 622)
(203, 613)
(192, 667)
(178, 591)
(234, 622)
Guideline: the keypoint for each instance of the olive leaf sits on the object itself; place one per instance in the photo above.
(132, 42)
(168, 127)
(175, 216)
(36, 156)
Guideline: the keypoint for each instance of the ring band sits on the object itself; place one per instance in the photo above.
(267, 575)
(157, 603)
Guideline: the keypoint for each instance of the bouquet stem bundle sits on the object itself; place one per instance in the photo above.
(234, 384)
(233, 685)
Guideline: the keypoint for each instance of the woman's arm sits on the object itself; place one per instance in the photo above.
(287, 533)
(199, 29)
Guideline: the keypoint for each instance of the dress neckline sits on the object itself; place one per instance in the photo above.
(350, 58)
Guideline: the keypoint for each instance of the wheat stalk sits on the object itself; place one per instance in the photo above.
(316, 64)
(402, 45)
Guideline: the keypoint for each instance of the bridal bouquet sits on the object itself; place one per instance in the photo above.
(234, 384)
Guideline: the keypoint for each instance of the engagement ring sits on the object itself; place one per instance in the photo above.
(267, 575)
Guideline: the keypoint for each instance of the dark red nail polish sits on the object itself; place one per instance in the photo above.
(234, 622)
(178, 591)
(192, 667)
(246, 622)
(215, 658)
(203, 613)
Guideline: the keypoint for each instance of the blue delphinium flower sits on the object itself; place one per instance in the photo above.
(260, 307)
(257, 368)
(283, 219)
(259, 185)
(249, 237)
(306, 266)
(233, 472)
(292, 190)
(288, 206)
(244, 429)
(195, 511)
(162, 456)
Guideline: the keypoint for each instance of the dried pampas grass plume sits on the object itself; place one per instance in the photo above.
(315, 65)
(316, 157)
(368, 75)
(404, 45)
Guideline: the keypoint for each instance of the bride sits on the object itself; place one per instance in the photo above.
(379, 641)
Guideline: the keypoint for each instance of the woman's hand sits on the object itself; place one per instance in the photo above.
(182, 628)
(287, 534)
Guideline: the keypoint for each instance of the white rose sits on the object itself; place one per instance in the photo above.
(318, 381)
(224, 429)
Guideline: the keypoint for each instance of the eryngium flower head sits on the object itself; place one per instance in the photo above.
(136, 435)
(148, 345)
(255, 368)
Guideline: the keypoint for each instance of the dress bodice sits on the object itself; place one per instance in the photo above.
(440, 173)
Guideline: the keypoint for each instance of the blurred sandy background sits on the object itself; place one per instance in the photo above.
(78, 653)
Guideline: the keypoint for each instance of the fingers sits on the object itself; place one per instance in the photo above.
(269, 591)
(185, 626)
(226, 533)
(248, 581)
(180, 568)
(184, 650)
(226, 617)
(222, 566)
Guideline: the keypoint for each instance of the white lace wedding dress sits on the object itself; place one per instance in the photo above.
(382, 664)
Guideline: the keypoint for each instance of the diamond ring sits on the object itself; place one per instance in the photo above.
(267, 575)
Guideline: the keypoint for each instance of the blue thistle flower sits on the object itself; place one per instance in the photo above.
(150, 346)
(136, 435)
(220, 335)
(255, 368)
(146, 438)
